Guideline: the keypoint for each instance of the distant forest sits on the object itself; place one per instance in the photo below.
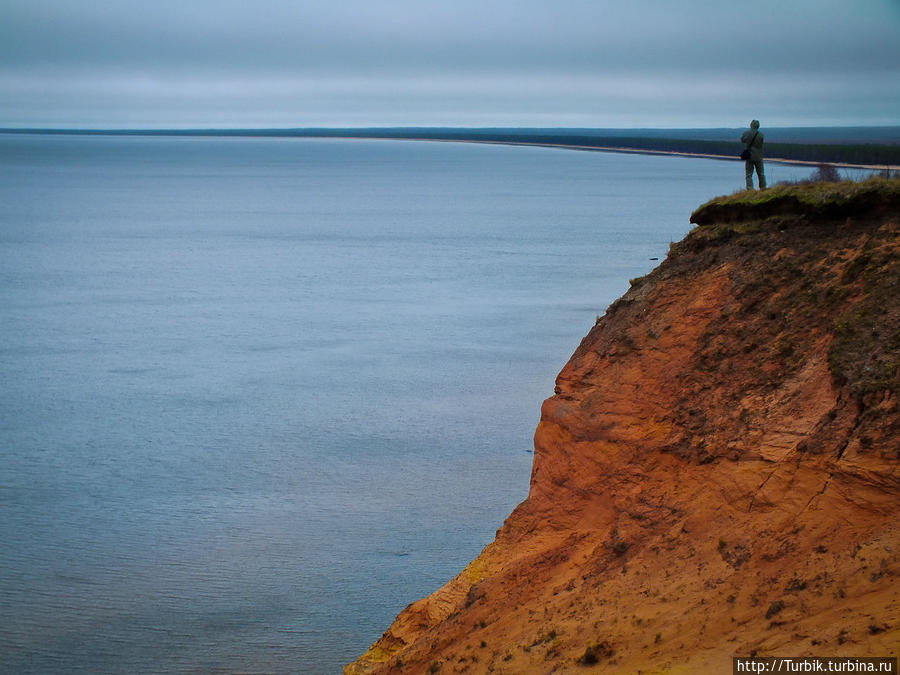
(832, 152)
(860, 145)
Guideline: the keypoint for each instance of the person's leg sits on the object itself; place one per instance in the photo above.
(761, 174)
(748, 170)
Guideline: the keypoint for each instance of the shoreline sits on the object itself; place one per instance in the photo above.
(361, 135)
(623, 150)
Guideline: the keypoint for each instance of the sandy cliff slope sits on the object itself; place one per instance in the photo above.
(717, 472)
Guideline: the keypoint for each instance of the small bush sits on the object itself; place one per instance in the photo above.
(825, 173)
(589, 658)
(796, 584)
(594, 652)
(774, 609)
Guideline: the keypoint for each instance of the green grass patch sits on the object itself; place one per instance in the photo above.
(836, 198)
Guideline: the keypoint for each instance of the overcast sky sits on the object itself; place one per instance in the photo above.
(584, 63)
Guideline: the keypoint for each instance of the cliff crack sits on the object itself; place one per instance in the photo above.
(818, 493)
(761, 486)
(850, 434)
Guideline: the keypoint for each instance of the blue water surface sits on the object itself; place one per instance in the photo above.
(260, 394)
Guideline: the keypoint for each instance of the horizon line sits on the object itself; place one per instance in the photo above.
(282, 129)
(619, 141)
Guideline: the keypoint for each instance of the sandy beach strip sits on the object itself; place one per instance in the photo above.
(626, 150)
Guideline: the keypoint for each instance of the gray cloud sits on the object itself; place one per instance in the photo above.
(589, 62)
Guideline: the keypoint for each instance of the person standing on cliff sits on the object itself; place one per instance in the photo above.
(753, 142)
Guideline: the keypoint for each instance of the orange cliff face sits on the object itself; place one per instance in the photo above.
(717, 474)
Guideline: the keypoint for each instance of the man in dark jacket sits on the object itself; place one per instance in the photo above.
(753, 140)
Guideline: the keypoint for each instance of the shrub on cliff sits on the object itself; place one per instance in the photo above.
(594, 652)
(825, 173)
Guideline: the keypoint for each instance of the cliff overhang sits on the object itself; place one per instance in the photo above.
(820, 201)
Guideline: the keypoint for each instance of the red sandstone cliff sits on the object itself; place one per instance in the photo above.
(717, 472)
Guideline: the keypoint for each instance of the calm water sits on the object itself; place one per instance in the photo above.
(259, 395)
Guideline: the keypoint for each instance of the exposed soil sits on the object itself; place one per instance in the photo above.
(716, 474)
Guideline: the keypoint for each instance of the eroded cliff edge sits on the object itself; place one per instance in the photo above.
(717, 472)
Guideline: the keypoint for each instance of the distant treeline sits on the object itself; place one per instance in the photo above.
(869, 154)
(825, 153)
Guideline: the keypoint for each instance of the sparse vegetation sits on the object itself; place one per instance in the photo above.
(795, 584)
(858, 292)
(774, 609)
(865, 353)
(543, 637)
(594, 652)
(749, 208)
(825, 173)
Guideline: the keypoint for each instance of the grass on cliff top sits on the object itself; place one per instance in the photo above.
(818, 195)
